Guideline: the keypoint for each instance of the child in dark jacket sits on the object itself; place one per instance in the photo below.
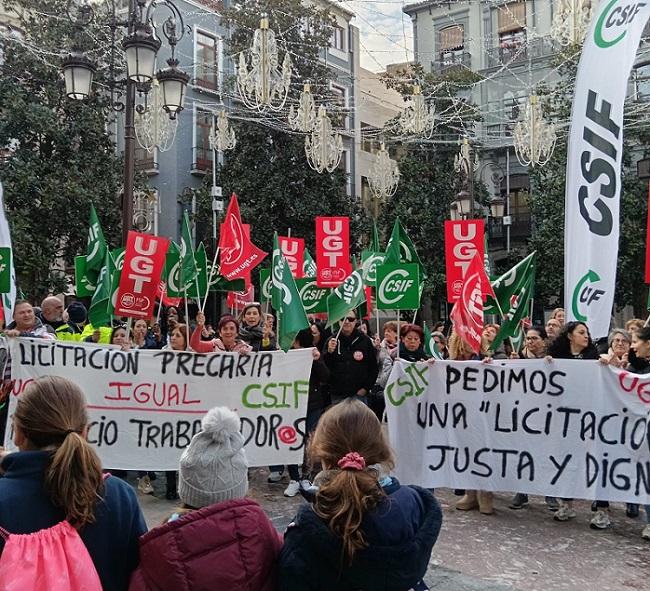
(218, 539)
(364, 530)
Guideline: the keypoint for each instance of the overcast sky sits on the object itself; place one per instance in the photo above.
(385, 32)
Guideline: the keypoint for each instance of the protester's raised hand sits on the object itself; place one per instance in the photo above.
(315, 354)
(96, 335)
(200, 318)
(514, 355)
(12, 332)
(331, 345)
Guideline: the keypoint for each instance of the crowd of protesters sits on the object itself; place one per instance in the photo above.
(361, 529)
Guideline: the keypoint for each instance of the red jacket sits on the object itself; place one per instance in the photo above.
(230, 546)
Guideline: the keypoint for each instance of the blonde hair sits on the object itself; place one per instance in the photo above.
(459, 349)
(347, 495)
(51, 413)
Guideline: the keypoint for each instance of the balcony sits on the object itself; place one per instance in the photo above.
(517, 53)
(459, 60)
(520, 230)
(202, 160)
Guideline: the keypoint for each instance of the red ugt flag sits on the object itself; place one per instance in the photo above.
(467, 313)
(238, 255)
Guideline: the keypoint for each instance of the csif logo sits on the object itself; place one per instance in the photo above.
(585, 294)
(614, 20)
(394, 286)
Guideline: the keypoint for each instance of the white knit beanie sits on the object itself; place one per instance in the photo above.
(214, 466)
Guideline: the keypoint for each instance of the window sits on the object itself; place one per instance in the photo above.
(512, 17)
(344, 166)
(368, 132)
(452, 44)
(337, 40)
(339, 102)
(145, 161)
(207, 69)
(202, 153)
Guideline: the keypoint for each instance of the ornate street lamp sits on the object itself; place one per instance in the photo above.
(304, 118)
(264, 86)
(323, 146)
(418, 117)
(384, 175)
(140, 47)
(463, 163)
(533, 137)
(497, 207)
(221, 138)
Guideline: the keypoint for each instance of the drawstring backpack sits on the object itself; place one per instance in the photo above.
(51, 559)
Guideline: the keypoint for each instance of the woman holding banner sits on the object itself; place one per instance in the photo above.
(641, 348)
(228, 341)
(574, 342)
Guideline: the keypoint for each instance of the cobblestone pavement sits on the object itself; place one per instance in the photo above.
(512, 550)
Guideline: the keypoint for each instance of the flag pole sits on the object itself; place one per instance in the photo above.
(187, 314)
(377, 319)
(397, 334)
(415, 316)
(207, 292)
(160, 304)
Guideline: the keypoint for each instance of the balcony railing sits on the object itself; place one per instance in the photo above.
(516, 53)
(455, 61)
(202, 159)
(520, 229)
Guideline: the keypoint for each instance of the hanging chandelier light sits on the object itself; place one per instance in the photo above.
(153, 127)
(384, 175)
(418, 117)
(571, 21)
(534, 137)
(323, 146)
(304, 118)
(222, 137)
(264, 86)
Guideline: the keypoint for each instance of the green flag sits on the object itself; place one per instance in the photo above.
(188, 263)
(172, 271)
(5, 269)
(285, 299)
(201, 279)
(486, 257)
(99, 314)
(313, 298)
(308, 265)
(84, 284)
(513, 291)
(117, 258)
(400, 249)
(374, 243)
(349, 295)
(96, 245)
(430, 346)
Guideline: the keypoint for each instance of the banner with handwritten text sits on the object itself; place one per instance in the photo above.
(145, 406)
(563, 428)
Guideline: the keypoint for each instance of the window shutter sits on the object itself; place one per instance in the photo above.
(512, 16)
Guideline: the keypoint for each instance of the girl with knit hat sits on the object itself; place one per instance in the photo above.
(218, 539)
(364, 530)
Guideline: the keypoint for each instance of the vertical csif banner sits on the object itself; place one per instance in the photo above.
(593, 175)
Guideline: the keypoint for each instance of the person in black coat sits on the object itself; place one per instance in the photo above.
(364, 530)
(352, 361)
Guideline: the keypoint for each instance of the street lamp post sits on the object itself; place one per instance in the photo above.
(140, 48)
(463, 163)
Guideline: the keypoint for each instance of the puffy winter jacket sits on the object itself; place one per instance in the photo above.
(230, 546)
(400, 533)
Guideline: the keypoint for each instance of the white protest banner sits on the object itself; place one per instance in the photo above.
(570, 429)
(144, 406)
(595, 151)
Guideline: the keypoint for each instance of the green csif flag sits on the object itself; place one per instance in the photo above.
(201, 278)
(513, 290)
(347, 296)
(187, 260)
(285, 299)
(400, 249)
(99, 313)
(308, 265)
(430, 346)
(96, 246)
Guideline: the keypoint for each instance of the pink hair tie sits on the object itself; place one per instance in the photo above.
(352, 461)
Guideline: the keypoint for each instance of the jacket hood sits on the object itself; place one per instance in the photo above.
(395, 566)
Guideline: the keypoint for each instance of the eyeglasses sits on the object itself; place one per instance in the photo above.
(350, 319)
